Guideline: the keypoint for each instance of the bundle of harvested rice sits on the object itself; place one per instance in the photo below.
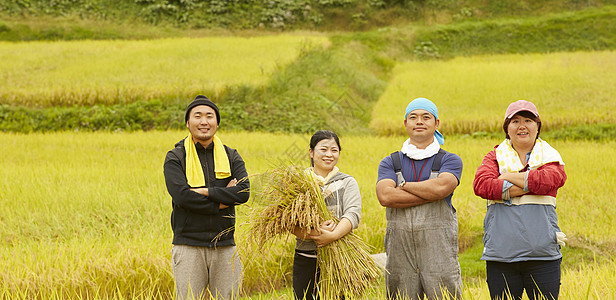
(292, 198)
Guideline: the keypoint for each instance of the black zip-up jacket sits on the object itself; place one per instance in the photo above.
(196, 219)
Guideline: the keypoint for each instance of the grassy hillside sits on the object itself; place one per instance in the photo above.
(87, 73)
(472, 93)
(257, 14)
(341, 83)
(547, 33)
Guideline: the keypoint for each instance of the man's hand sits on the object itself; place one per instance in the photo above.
(231, 183)
(202, 191)
(392, 195)
(206, 192)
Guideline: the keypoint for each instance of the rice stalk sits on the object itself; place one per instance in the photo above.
(347, 270)
(292, 198)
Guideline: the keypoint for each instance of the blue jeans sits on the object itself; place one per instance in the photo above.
(509, 280)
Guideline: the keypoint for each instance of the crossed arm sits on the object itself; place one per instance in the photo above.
(542, 181)
(415, 193)
(206, 191)
(205, 200)
(488, 183)
(518, 183)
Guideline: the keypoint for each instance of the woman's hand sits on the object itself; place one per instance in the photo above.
(514, 177)
(328, 225)
(516, 191)
(507, 176)
(304, 234)
(326, 236)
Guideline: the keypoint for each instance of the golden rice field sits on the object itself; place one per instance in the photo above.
(472, 93)
(86, 215)
(39, 74)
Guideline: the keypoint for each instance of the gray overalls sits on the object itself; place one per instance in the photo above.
(422, 250)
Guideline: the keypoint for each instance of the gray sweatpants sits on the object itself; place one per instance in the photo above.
(197, 268)
(422, 252)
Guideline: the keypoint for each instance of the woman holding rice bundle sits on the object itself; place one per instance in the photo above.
(343, 200)
(520, 179)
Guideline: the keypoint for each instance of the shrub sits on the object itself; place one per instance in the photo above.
(140, 115)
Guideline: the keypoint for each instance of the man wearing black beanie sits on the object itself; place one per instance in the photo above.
(202, 100)
(206, 180)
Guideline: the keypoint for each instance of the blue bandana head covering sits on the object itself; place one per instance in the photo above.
(429, 106)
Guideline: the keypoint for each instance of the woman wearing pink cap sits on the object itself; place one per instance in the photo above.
(520, 179)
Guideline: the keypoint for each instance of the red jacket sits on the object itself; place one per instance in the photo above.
(543, 181)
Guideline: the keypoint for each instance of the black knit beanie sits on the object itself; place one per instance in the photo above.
(202, 100)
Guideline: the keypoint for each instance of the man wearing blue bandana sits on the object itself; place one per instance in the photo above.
(416, 185)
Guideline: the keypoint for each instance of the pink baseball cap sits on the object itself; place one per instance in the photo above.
(521, 105)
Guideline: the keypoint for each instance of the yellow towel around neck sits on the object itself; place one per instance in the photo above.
(509, 161)
(194, 171)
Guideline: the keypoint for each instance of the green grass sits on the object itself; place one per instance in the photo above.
(472, 93)
(584, 30)
(48, 28)
(279, 15)
(88, 213)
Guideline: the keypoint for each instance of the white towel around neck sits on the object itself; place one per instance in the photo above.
(418, 154)
(509, 161)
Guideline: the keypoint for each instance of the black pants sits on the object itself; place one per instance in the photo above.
(509, 280)
(305, 273)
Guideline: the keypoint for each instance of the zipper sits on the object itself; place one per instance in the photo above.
(207, 171)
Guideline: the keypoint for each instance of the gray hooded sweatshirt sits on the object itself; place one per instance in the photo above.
(343, 200)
